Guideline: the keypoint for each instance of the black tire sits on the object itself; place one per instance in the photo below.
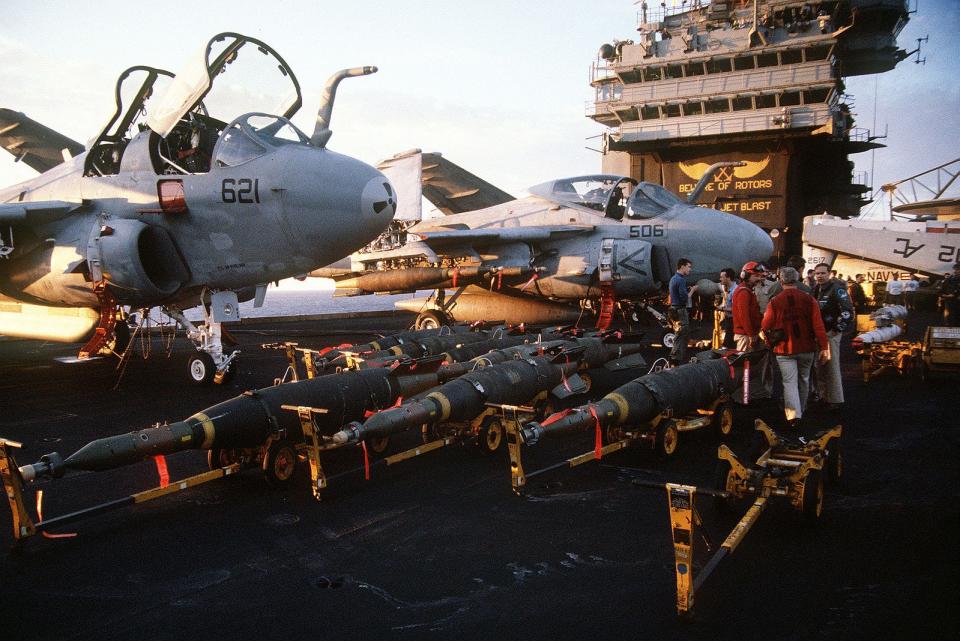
(279, 464)
(201, 368)
(377, 446)
(221, 457)
(723, 420)
(811, 505)
(721, 475)
(834, 465)
(668, 438)
(431, 319)
(491, 434)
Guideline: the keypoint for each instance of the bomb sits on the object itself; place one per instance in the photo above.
(248, 420)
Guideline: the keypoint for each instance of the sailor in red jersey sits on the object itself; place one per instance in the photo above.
(793, 328)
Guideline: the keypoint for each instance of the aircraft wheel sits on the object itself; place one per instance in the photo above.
(811, 504)
(668, 339)
(201, 368)
(723, 420)
(490, 435)
(834, 461)
(431, 319)
(668, 438)
(221, 457)
(279, 463)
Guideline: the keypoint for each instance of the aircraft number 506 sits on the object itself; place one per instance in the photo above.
(646, 231)
(240, 190)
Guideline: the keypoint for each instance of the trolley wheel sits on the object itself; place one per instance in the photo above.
(723, 420)
(811, 504)
(221, 457)
(721, 480)
(490, 435)
(668, 339)
(668, 438)
(834, 461)
(431, 319)
(201, 368)
(378, 446)
(279, 463)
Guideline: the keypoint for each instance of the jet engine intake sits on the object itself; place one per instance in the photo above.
(140, 261)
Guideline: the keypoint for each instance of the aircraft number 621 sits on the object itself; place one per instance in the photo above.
(240, 190)
(646, 231)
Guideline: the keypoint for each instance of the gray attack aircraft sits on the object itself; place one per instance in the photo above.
(179, 202)
(573, 244)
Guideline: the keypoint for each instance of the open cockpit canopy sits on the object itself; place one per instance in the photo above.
(135, 88)
(600, 192)
(259, 81)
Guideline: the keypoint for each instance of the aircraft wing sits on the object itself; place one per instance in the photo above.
(438, 238)
(41, 211)
(40, 147)
(451, 188)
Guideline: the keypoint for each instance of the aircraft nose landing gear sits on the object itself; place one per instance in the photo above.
(210, 364)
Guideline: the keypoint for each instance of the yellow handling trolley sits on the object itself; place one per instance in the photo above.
(788, 468)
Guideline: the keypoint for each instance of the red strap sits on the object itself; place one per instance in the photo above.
(161, 462)
(499, 280)
(563, 371)
(48, 535)
(366, 461)
(456, 273)
(530, 282)
(325, 350)
(598, 439)
(733, 375)
(746, 382)
(553, 418)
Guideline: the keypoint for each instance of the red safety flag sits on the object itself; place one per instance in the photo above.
(598, 439)
(161, 462)
(366, 461)
(530, 282)
(746, 382)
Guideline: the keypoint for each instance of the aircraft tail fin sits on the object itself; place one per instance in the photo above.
(449, 187)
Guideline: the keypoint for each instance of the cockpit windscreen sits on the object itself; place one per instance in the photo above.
(649, 200)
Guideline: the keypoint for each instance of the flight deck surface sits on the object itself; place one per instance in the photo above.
(440, 548)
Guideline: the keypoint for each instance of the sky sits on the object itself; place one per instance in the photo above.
(498, 86)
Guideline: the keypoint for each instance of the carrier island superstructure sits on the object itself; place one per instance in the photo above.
(759, 82)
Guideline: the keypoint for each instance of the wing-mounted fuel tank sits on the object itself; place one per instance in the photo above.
(140, 261)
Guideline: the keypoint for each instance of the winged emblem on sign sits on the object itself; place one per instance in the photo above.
(696, 170)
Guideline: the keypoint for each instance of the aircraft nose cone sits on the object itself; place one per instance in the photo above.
(378, 202)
